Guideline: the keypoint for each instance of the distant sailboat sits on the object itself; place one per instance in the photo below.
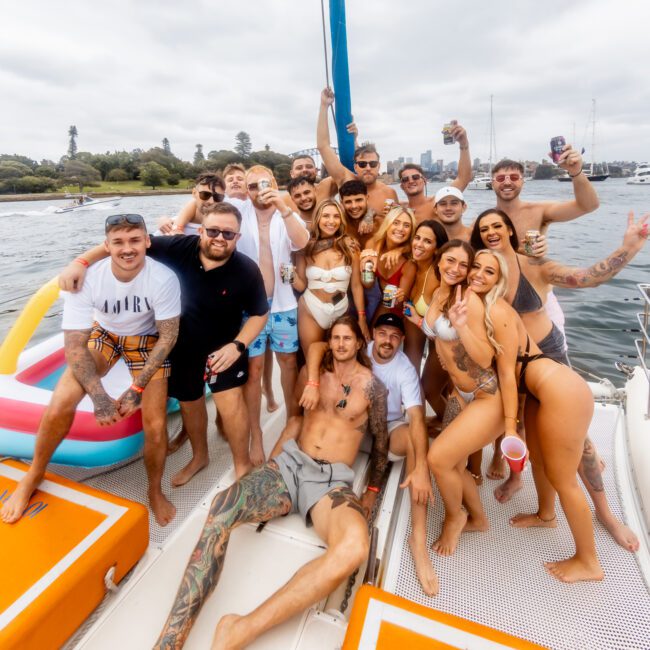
(485, 182)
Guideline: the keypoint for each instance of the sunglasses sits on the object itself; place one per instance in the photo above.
(367, 163)
(408, 179)
(204, 195)
(341, 404)
(117, 219)
(213, 233)
(502, 177)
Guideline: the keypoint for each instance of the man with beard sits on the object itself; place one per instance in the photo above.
(366, 161)
(219, 285)
(312, 475)
(413, 181)
(270, 233)
(304, 196)
(304, 166)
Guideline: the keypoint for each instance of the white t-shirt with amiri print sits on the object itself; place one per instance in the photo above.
(123, 308)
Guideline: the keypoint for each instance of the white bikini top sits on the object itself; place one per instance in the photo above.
(330, 280)
(441, 328)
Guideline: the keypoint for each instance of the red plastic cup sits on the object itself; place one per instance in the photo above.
(514, 450)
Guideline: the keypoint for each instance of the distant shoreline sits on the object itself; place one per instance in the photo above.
(58, 196)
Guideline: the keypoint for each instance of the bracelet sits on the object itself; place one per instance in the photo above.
(465, 148)
(137, 389)
(82, 261)
(574, 175)
(360, 311)
(286, 216)
(315, 384)
(372, 488)
(510, 417)
(368, 252)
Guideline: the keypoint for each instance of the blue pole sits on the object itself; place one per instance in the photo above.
(341, 79)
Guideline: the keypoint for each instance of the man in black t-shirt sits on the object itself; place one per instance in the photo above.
(218, 285)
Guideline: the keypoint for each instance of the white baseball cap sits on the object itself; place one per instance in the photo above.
(448, 191)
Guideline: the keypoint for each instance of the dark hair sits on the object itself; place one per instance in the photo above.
(327, 364)
(410, 166)
(211, 180)
(475, 239)
(453, 243)
(222, 208)
(506, 163)
(350, 188)
(302, 157)
(364, 149)
(339, 241)
(441, 234)
(295, 182)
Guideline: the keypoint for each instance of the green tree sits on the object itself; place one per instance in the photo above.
(153, 174)
(223, 157)
(13, 169)
(173, 179)
(199, 158)
(243, 145)
(117, 175)
(27, 185)
(167, 147)
(72, 147)
(21, 159)
(80, 173)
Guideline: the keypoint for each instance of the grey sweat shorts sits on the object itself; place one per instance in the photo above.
(307, 480)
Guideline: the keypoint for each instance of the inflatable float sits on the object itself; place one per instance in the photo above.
(27, 379)
(58, 560)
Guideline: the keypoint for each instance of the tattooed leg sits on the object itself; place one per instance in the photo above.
(258, 496)
(452, 410)
(338, 521)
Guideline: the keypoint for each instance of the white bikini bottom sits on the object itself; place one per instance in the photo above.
(324, 313)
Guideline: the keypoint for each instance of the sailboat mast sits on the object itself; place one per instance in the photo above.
(492, 140)
(593, 135)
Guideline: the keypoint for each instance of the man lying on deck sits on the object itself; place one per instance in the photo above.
(313, 476)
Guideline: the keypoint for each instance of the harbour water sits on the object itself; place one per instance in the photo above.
(36, 244)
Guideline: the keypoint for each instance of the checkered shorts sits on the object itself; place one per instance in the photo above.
(134, 350)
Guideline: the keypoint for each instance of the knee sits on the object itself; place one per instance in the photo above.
(436, 461)
(155, 431)
(351, 552)
(287, 361)
(255, 369)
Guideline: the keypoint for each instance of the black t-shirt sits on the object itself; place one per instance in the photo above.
(212, 302)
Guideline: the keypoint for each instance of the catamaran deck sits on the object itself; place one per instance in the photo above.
(495, 578)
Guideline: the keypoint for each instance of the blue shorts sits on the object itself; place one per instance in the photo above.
(280, 332)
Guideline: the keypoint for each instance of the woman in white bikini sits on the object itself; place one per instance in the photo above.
(325, 269)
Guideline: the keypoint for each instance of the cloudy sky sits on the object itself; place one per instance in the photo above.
(128, 74)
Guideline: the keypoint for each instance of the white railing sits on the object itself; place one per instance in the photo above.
(643, 344)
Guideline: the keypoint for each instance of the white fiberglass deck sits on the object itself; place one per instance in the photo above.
(497, 578)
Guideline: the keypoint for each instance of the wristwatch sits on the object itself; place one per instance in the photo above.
(240, 346)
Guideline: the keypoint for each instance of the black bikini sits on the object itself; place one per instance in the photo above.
(524, 360)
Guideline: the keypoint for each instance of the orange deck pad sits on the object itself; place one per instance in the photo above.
(54, 559)
(384, 621)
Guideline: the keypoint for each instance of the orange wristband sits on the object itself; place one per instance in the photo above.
(315, 384)
(82, 261)
(372, 488)
(137, 389)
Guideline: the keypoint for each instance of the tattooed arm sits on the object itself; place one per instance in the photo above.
(129, 401)
(570, 277)
(84, 369)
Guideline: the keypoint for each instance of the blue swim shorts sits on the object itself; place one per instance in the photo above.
(280, 332)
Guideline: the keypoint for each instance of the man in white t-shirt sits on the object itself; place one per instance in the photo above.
(129, 308)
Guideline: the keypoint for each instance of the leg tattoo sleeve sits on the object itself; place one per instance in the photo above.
(591, 466)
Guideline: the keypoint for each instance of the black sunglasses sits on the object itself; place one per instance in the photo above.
(341, 404)
(204, 195)
(408, 179)
(365, 163)
(117, 219)
(213, 233)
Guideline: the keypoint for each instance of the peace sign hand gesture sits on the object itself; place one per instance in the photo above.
(637, 231)
(458, 311)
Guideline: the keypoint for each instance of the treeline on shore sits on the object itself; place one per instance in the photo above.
(155, 168)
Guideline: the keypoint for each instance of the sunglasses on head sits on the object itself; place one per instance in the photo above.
(213, 233)
(204, 195)
(367, 163)
(413, 177)
(502, 177)
(117, 219)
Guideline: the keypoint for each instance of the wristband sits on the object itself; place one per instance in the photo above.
(574, 175)
(372, 488)
(137, 389)
(361, 311)
(465, 148)
(509, 417)
(315, 384)
(286, 216)
(82, 261)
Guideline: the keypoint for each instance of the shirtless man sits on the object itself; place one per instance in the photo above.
(507, 183)
(129, 308)
(363, 221)
(366, 161)
(351, 400)
(450, 207)
(305, 166)
(413, 182)
(304, 195)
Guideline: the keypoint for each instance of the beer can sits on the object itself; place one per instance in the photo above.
(447, 137)
(368, 273)
(209, 376)
(263, 184)
(557, 144)
(287, 272)
(390, 293)
(531, 238)
(388, 204)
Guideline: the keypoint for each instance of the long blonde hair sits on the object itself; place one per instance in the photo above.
(497, 291)
(395, 211)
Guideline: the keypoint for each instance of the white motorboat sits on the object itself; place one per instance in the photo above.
(641, 175)
(480, 183)
(87, 202)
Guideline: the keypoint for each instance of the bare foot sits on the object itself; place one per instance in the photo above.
(423, 568)
(622, 534)
(257, 452)
(476, 525)
(242, 469)
(508, 488)
(13, 508)
(177, 442)
(478, 479)
(186, 474)
(451, 530)
(271, 404)
(532, 520)
(163, 509)
(227, 635)
(498, 467)
(573, 570)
